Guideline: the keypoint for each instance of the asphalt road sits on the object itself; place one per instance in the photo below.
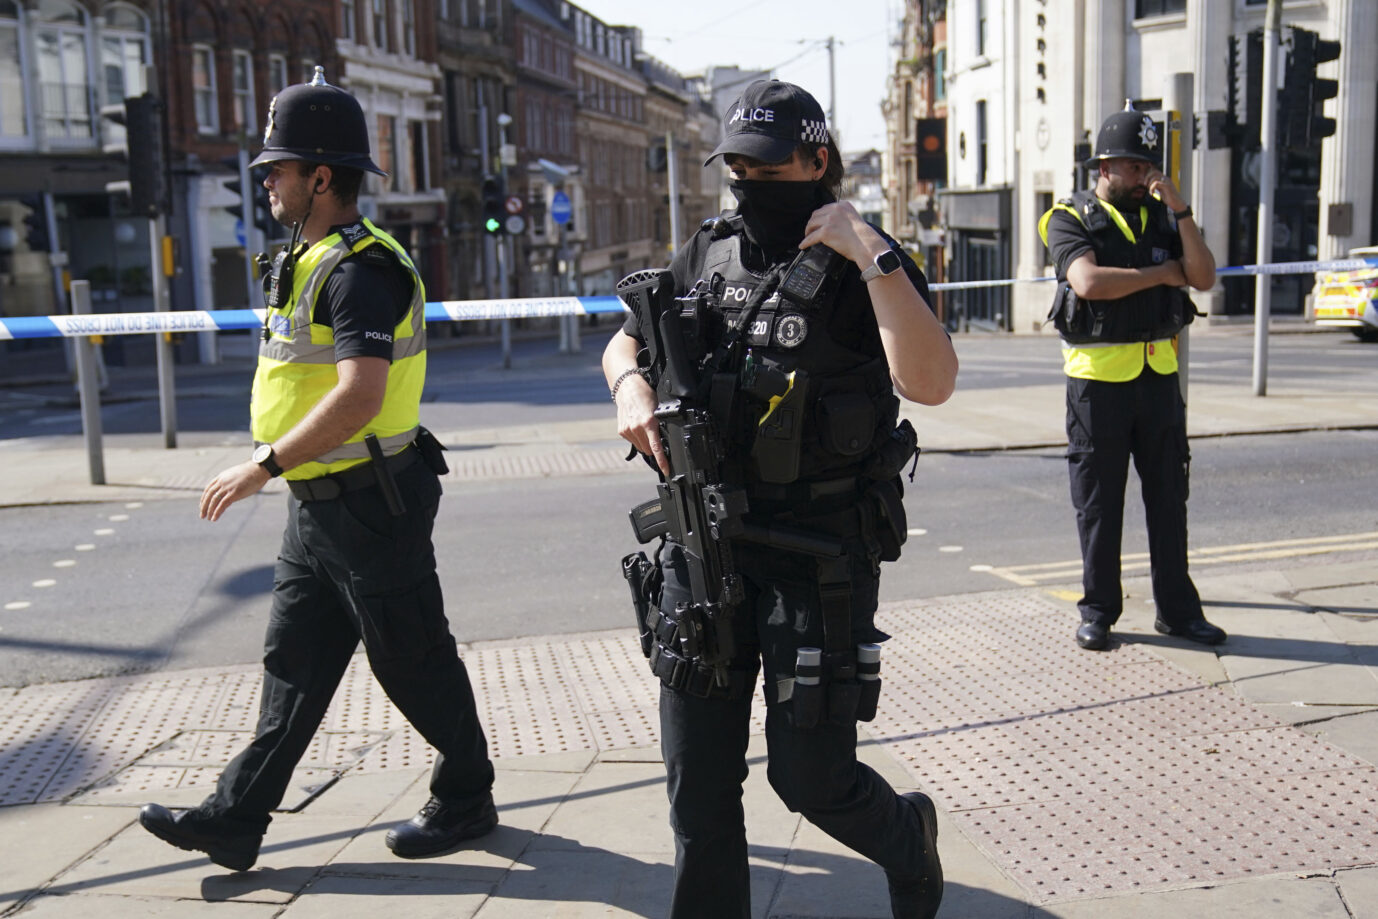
(149, 586)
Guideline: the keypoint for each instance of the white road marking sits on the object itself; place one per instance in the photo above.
(44, 582)
(949, 548)
(64, 563)
(17, 604)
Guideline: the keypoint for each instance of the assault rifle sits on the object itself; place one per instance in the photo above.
(695, 507)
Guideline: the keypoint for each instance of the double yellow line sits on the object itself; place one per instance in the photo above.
(1052, 572)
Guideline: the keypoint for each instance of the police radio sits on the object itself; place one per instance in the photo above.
(808, 276)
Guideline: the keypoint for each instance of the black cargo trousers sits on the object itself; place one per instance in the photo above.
(1107, 423)
(349, 571)
(815, 771)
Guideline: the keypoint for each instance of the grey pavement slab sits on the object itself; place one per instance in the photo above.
(38, 843)
(1313, 898)
(58, 906)
(1359, 888)
(342, 897)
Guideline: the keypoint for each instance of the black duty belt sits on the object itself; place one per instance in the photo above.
(329, 487)
(803, 493)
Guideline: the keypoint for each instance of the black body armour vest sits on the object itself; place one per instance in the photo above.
(1147, 315)
(840, 407)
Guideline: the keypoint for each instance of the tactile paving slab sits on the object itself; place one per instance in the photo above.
(1080, 775)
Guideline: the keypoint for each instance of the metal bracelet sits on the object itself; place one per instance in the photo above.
(639, 371)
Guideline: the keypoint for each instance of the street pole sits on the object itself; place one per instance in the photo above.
(1177, 100)
(505, 249)
(162, 346)
(1267, 178)
(672, 189)
(87, 386)
(832, 87)
(247, 205)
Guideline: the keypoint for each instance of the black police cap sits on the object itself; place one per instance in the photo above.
(317, 123)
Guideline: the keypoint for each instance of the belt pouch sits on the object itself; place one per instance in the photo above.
(808, 687)
(636, 568)
(868, 678)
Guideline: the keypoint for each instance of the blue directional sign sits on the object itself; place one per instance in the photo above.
(560, 210)
(239, 232)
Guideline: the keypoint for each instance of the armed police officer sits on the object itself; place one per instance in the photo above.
(759, 376)
(1123, 252)
(335, 412)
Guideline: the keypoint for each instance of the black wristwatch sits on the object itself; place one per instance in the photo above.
(1183, 214)
(888, 262)
(263, 455)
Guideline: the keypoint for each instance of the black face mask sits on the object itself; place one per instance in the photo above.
(774, 214)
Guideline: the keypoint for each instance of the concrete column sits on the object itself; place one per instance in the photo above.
(1209, 30)
(1105, 63)
(1347, 170)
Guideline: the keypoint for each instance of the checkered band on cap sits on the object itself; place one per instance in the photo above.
(813, 132)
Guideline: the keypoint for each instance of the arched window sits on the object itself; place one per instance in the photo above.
(60, 43)
(124, 52)
(13, 111)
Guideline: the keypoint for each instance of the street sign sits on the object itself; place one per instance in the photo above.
(514, 224)
(239, 232)
(560, 210)
(513, 204)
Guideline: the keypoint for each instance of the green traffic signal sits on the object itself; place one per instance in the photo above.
(492, 225)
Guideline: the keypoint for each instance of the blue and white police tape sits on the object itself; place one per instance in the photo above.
(464, 310)
(228, 320)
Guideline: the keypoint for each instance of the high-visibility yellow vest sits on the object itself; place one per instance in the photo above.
(1113, 362)
(296, 365)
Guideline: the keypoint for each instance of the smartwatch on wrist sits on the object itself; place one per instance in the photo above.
(1183, 214)
(888, 262)
(263, 455)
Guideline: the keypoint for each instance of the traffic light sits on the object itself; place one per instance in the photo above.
(36, 224)
(262, 211)
(930, 149)
(143, 121)
(494, 211)
(1302, 103)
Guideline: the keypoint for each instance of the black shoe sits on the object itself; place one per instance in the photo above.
(1197, 630)
(1093, 636)
(237, 852)
(440, 827)
(917, 896)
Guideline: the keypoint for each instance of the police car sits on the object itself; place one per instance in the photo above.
(1349, 299)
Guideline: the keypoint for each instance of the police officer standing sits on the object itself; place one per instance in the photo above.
(335, 412)
(817, 456)
(1123, 254)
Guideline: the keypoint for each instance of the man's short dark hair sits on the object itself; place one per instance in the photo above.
(345, 182)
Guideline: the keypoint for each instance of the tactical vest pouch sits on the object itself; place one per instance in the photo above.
(890, 459)
(1078, 321)
(846, 423)
(775, 450)
(889, 522)
(432, 451)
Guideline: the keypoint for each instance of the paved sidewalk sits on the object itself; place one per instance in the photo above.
(1155, 779)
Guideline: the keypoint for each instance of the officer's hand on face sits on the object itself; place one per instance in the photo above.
(636, 422)
(234, 484)
(1161, 187)
(839, 227)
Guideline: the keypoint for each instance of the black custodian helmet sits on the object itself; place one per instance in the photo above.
(1130, 134)
(317, 123)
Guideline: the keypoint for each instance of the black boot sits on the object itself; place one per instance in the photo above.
(440, 827)
(194, 832)
(917, 895)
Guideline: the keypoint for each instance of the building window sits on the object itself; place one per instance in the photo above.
(13, 111)
(60, 43)
(124, 51)
(244, 92)
(347, 14)
(1143, 8)
(203, 89)
(409, 27)
(980, 142)
(420, 174)
(940, 75)
(380, 24)
(277, 72)
(387, 151)
(980, 27)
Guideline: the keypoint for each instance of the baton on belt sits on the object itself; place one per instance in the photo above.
(384, 475)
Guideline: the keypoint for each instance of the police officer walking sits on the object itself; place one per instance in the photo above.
(803, 367)
(335, 412)
(1123, 252)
